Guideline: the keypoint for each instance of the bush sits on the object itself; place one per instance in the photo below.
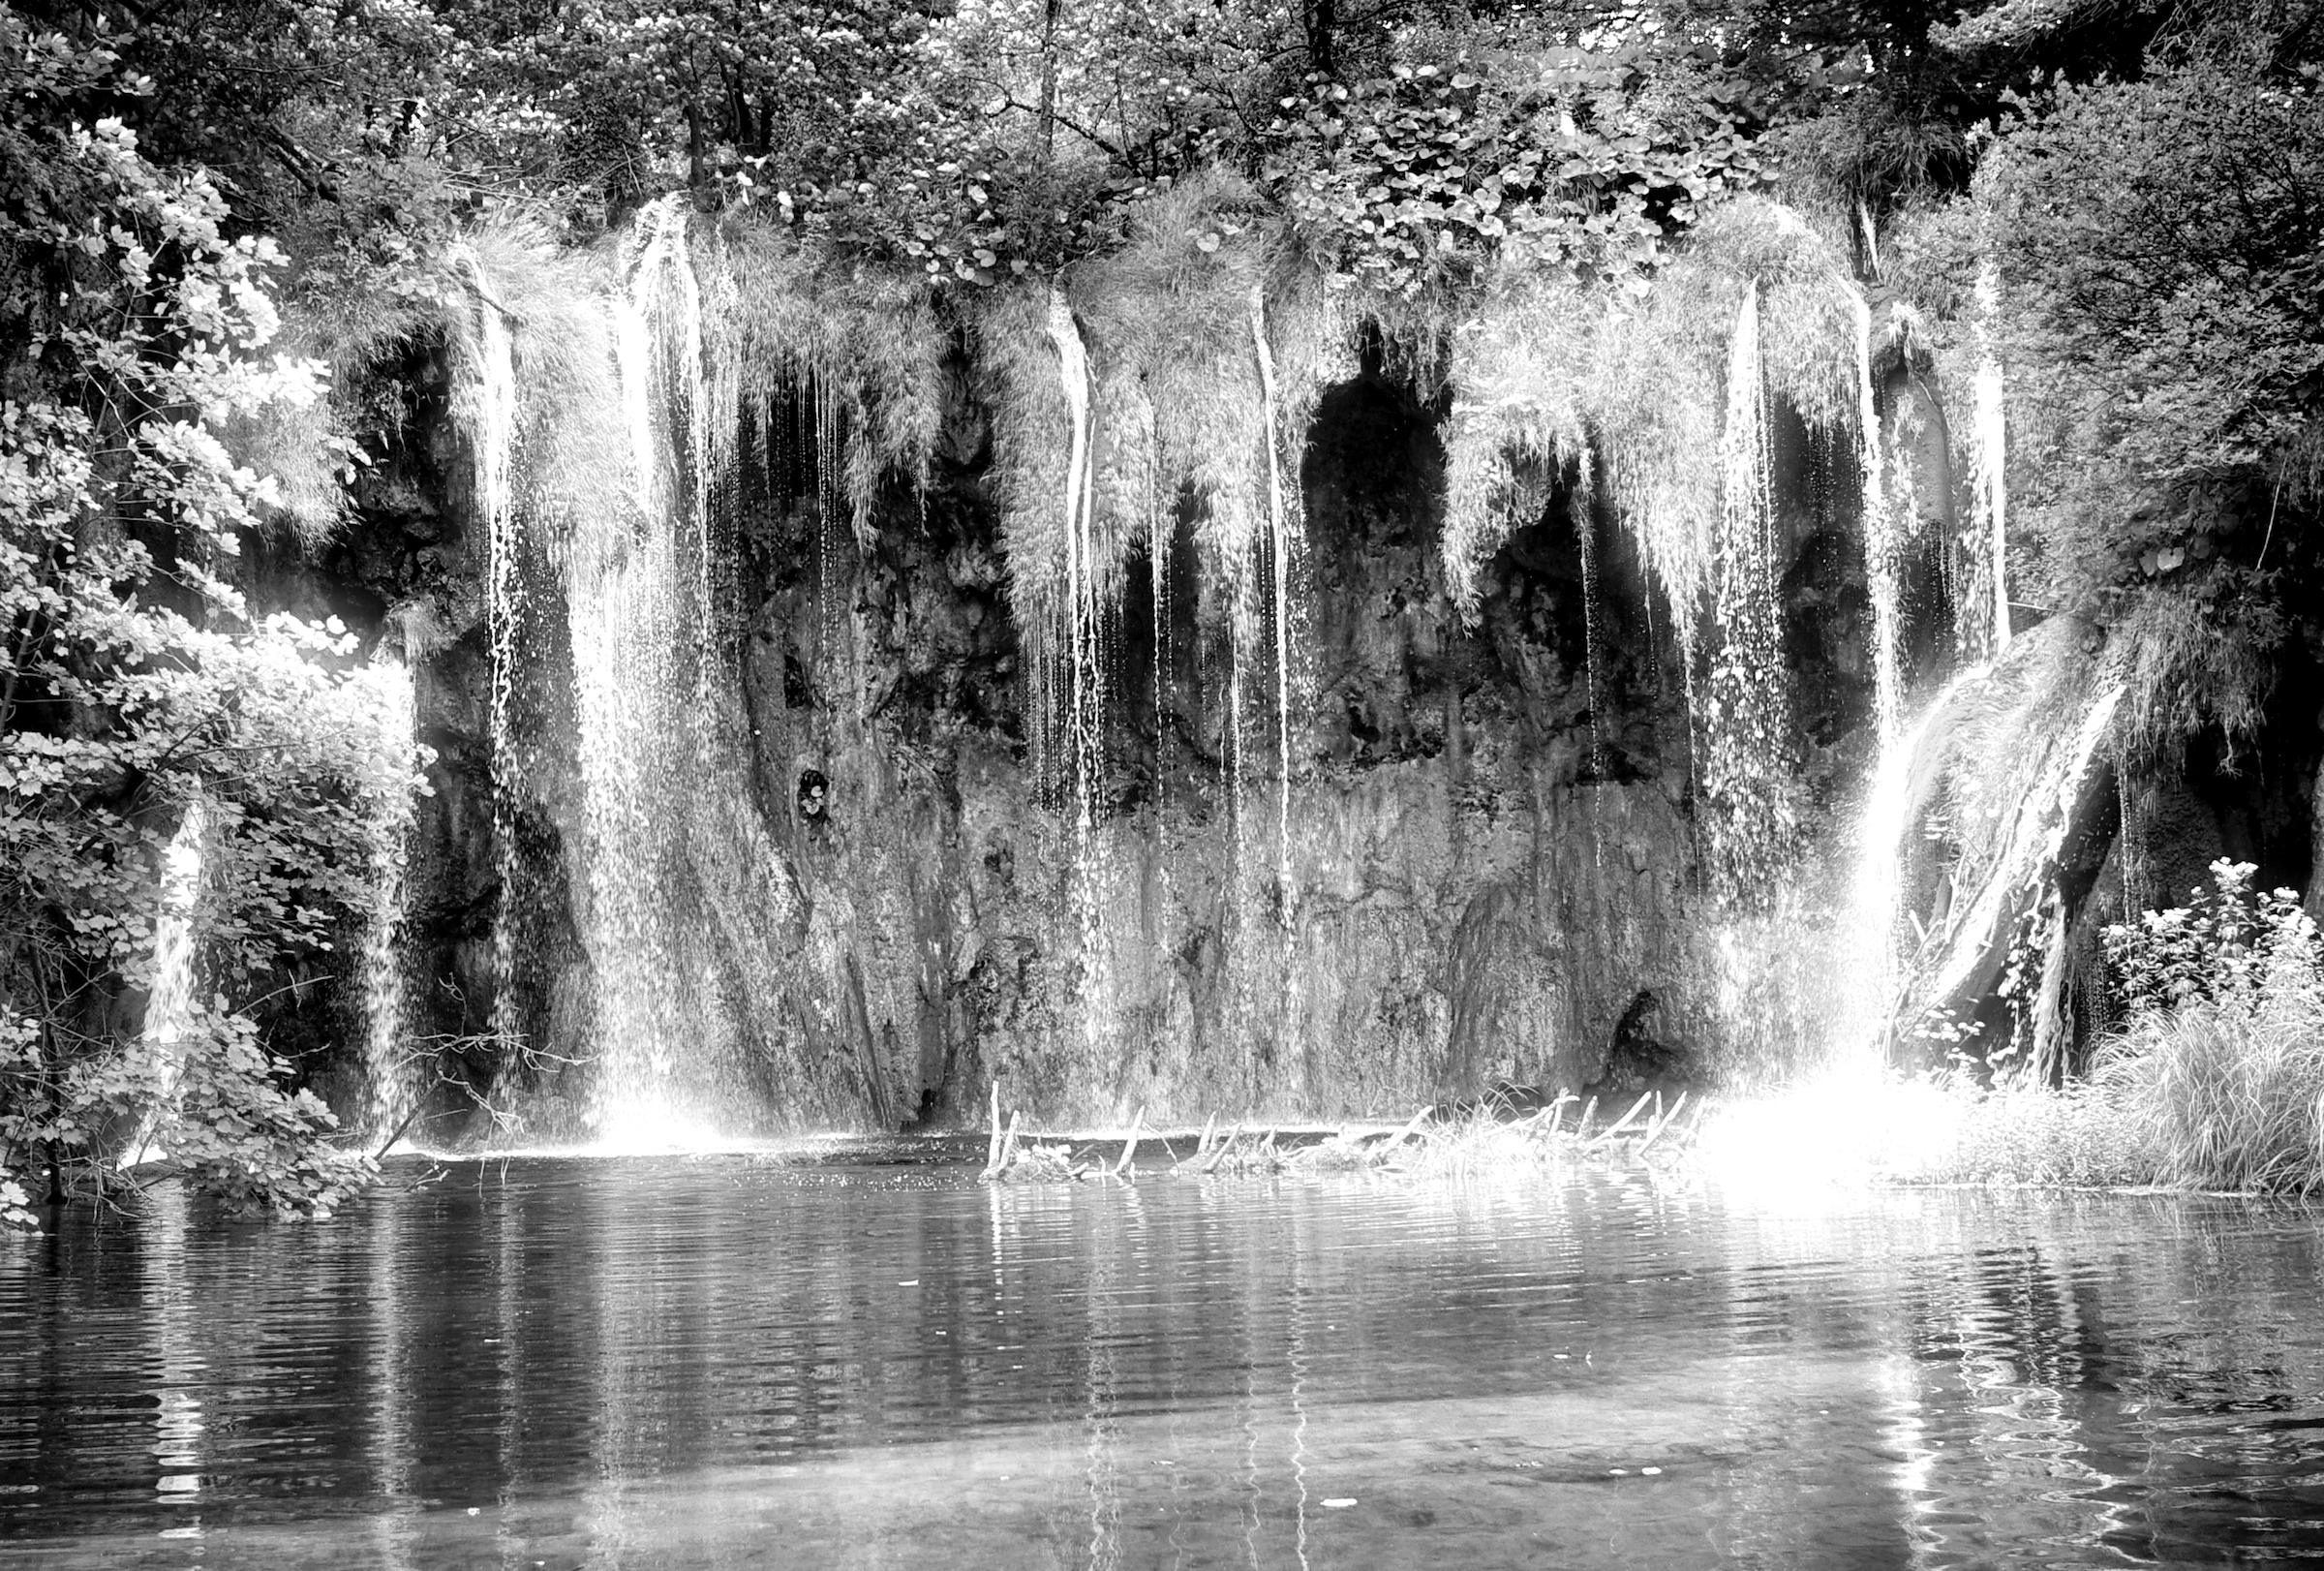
(2221, 1067)
(2215, 1080)
(2078, 1137)
(141, 703)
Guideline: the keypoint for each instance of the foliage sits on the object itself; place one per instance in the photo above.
(2075, 1136)
(2230, 945)
(240, 1136)
(2150, 244)
(2220, 1064)
(1585, 164)
(2160, 245)
(2225, 1097)
(131, 686)
(2215, 1080)
(1549, 372)
(2200, 655)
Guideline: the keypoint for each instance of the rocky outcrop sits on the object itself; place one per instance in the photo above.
(1482, 870)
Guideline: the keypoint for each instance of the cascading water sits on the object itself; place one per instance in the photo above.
(490, 394)
(392, 1090)
(1746, 722)
(1279, 538)
(172, 1000)
(1881, 546)
(1991, 543)
(1875, 885)
(1581, 503)
(1161, 531)
(643, 967)
(1083, 618)
(638, 599)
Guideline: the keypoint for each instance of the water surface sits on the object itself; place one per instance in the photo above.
(731, 1362)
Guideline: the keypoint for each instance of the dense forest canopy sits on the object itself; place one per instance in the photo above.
(209, 209)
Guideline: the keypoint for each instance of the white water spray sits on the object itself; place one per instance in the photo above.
(491, 399)
(639, 592)
(1745, 726)
(387, 1068)
(171, 1003)
(1992, 509)
(1280, 542)
(1881, 545)
(1875, 886)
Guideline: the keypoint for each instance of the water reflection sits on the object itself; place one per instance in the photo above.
(574, 1364)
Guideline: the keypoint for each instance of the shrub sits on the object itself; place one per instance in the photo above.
(2221, 1066)
(2077, 1136)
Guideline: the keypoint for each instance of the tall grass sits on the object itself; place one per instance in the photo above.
(2216, 1081)
(2223, 1096)
(2076, 1137)
(2221, 1067)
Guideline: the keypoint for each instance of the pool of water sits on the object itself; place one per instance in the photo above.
(737, 1362)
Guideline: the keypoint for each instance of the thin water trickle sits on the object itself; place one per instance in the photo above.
(490, 406)
(1280, 545)
(1992, 492)
(1089, 576)
(1581, 503)
(1881, 546)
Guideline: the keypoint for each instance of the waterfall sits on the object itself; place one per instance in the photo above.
(1581, 503)
(387, 1073)
(1280, 543)
(491, 400)
(1992, 493)
(1880, 544)
(173, 1003)
(1085, 667)
(640, 597)
(1746, 722)
(1993, 496)
(1875, 888)
(1161, 535)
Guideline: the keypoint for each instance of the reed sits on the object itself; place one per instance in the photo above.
(2224, 1093)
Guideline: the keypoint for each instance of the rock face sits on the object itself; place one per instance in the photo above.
(876, 897)
(2036, 821)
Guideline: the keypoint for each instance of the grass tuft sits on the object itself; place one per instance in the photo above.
(2224, 1094)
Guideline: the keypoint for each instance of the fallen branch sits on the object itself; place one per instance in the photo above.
(1624, 1121)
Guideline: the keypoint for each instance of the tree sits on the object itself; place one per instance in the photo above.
(135, 693)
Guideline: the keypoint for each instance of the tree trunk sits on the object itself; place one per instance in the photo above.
(2314, 901)
(1321, 18)
(1046, 133)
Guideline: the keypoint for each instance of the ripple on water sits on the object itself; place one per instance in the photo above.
(738, 1361)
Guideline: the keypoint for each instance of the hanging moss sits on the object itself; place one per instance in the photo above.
(351, 331)
(576, 452)
(779, 315)
(1547, 369)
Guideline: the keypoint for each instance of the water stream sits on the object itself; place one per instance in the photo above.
(488, 391)
(390, 1082)
(174, 993)
(1990, 472)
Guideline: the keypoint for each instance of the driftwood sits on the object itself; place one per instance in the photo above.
(1016, 1157)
